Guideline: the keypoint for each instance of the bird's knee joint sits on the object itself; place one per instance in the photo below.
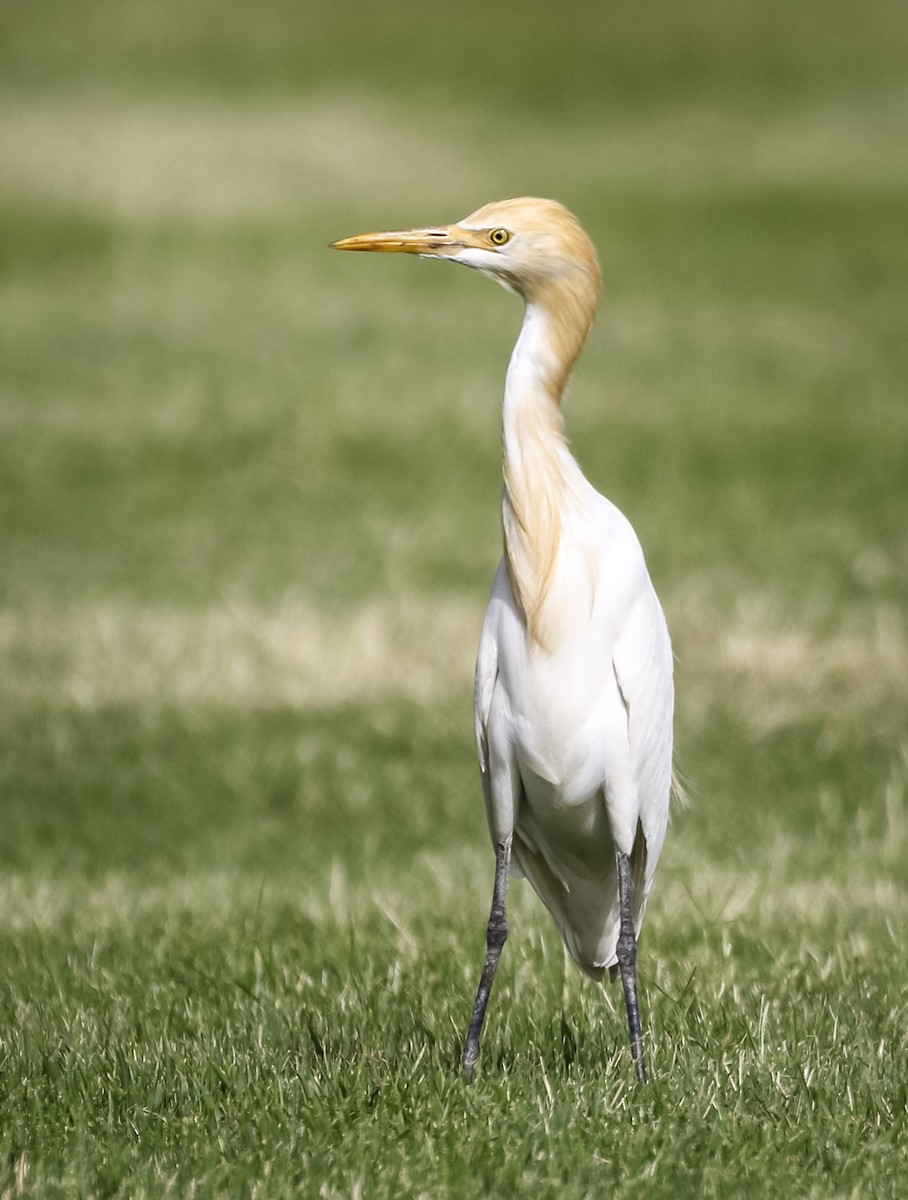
(626, 949)
(497, 932)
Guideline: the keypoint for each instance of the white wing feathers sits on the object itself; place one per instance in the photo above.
(643, 668)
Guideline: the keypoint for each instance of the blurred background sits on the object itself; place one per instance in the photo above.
(238, 471)
(241, 474)
(249, 518)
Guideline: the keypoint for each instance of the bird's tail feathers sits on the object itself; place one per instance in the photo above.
(582, 909)
(585, 909)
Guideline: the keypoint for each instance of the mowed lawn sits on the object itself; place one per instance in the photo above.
(248, 521)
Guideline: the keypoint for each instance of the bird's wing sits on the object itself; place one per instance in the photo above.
(643, 668)
(483, 689)
(501, 783)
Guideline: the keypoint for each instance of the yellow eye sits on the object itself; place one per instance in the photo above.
(498, 237)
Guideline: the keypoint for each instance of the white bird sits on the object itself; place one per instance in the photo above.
(573, 692)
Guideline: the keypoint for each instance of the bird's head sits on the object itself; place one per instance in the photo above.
(527, 244)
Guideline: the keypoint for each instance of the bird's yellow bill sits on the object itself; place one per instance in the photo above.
(401, 241)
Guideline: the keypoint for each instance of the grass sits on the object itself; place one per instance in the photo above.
(248, 520)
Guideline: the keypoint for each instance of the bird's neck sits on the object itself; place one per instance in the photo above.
(542, 481)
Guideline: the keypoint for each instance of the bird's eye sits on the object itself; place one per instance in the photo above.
(498, 237)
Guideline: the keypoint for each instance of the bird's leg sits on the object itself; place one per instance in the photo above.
(496, 936)
(627, 964)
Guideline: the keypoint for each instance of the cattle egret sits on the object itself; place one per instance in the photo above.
(573, 689)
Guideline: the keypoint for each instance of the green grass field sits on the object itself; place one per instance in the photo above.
(248, 521)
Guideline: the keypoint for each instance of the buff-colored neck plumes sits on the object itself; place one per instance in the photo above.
(542, 481)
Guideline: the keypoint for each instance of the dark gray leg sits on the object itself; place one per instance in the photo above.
(627, 964)
(496, 936)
